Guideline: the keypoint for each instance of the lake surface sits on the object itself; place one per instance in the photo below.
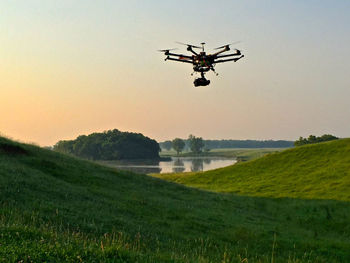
(175, 165)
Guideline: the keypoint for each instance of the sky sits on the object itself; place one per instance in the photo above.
(72, 67)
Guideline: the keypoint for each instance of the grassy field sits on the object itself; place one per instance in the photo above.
(319, 171)
(242, 154)
(55, 208)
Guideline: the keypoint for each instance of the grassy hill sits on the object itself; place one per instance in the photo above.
(317, 171)
(55, 208)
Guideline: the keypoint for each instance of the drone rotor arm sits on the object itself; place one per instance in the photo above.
(221, 51)
(180, 56)
(238, 53)
(225, 48)
(179, 60)
(227, 60)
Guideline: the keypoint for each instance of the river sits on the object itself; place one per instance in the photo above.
(175, 165)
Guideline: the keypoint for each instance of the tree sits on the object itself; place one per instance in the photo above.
(178, 145)
(166, 145)
(111, 145)
(328, 137)
(196, 144)
(300, 142)
(313, 139)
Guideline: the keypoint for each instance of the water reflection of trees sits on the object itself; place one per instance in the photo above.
(179, 166)
(197, 165)
(207, 161)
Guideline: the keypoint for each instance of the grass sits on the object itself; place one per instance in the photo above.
(55, 208)
(318, 171)
(242, 154)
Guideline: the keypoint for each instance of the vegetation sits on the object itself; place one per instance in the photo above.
(178, 145)
(314, 139)
(111, 145)
(219, 144)
(242, 154)
(196, 144)
(319, 171)
(56, 208)
(224, 144)
(167, 145)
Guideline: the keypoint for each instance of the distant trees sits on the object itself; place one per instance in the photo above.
(196, 144)
(167, 145)
(178, 145)
(111, 145)
(313, 139)
(219, 144)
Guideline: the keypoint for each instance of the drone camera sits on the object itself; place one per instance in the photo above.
(201, 82)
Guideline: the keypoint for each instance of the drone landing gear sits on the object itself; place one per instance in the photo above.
(217, 74)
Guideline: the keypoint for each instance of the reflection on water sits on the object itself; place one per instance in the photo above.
(176, 165)
(197, 165)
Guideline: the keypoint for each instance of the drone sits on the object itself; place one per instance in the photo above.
(201, 61)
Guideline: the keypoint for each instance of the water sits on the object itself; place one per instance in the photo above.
(175, 165)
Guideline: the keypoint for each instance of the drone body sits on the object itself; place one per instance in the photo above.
(203, 62)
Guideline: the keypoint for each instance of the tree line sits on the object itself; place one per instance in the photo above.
(195, 144)
(314, 139)
(219, 144)
(110, 145)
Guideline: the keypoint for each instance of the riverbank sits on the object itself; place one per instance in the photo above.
(172, 164)
(241, 154)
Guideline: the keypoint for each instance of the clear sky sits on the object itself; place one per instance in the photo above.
(71, 67)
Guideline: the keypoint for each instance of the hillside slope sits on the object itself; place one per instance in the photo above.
(317, 171)
(56, 208)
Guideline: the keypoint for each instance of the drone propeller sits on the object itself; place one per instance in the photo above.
(189, 45)
(228, 45)
(167, 50)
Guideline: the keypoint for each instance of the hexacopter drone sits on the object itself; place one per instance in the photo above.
(201, 61)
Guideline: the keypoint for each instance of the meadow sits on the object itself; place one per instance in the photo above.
(57, 208)
(315, 171)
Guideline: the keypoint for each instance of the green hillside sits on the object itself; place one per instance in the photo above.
(317, 171)
(55, 208)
